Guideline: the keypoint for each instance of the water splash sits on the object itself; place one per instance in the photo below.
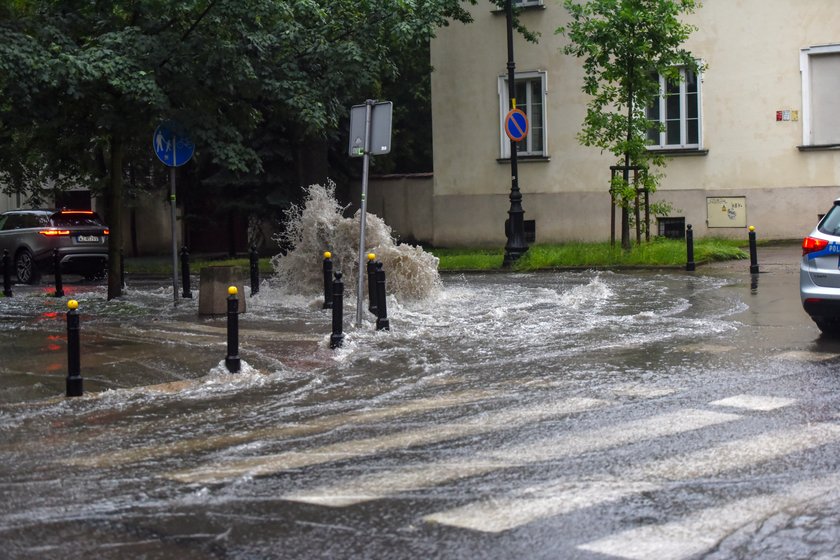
(319, 225)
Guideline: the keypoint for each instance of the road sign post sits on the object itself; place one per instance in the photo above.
(174, 148)
(370, 135)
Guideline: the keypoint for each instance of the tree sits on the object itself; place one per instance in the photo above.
(83, 83)
(625, 45)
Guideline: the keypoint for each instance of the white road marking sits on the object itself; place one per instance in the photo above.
(375, 486)
(311, 426)
(556, 498)
(701, 531)
(755, 402)
(473, 425)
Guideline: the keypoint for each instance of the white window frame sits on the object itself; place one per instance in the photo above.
(527, 3)
(805, 71)
(504, 108)
(663, 135)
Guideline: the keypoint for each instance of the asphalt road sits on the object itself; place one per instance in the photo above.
(591, 415)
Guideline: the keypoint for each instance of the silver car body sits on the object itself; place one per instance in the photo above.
(819, 272)
(31, 237)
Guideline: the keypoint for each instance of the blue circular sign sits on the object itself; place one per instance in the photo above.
(171, 144)
(516, 125)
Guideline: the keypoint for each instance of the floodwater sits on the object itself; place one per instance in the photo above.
(595, 398)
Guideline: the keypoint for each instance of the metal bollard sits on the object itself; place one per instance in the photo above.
(328, 280)
(371, 278)
(185, 273)
(122, 268)
(337, 336)
(255, 271)
(59, 282)
(7, 274)
(753, 252)
(689, 244)
(381, 310)
(232, 361)
(74, 376)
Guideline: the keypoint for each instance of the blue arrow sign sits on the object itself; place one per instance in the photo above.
(516, 125)
(171, 145)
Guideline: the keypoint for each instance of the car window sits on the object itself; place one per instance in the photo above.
(830, 224)
(13, 221)
(2, 221)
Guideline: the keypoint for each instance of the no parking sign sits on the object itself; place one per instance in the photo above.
(516, 125)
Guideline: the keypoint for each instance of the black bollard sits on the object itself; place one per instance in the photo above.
(59, 282)
(381, 310)
(328, 276)
(689, 244)
(371, 279)
(255, 271)
(753, 252)
(74, 376)
(7, 274)
(185, 273)
(122, 268)
(337, 336)
(232, 361)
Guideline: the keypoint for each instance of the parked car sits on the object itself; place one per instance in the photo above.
(30, 236)
(819, 272)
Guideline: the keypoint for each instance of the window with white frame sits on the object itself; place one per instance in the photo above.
(678, 110)
(820, 69)
(530, 98)
(526, 3)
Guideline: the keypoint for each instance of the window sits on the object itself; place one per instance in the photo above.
(678, 110)
(820, 68)
(530, 98)
(526, 3)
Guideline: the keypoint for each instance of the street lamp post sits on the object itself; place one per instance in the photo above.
(516, 246)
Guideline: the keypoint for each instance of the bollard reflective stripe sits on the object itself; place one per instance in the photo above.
(255, 270)
(689, 244)
(382, 323)
(59, 282)
(185, 274)
(337, 336)
(75, 384)
(232, 361)
(328, 280)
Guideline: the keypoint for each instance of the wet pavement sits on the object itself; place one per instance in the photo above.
(640, 414)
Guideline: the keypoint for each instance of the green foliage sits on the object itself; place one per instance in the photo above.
(625, 45)
(658, 253)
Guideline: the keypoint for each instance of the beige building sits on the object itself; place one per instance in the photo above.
(752, 141)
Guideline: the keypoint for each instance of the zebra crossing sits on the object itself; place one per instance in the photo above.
(731, 452)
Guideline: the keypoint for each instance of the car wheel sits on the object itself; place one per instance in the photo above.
(829, 327)
(27, 272)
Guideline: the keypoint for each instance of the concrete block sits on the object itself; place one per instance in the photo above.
(213, 289)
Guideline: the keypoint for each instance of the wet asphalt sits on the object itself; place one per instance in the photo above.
(700, 419)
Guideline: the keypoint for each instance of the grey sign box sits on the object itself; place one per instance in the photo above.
(380, 129)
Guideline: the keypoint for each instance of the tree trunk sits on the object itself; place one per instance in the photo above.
(113, 206)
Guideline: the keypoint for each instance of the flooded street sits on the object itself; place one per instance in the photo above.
(640, 414)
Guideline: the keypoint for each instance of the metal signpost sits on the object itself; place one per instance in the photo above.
(174, 148)
(370, 135)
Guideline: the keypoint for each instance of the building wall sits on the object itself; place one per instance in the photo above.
(752, 52)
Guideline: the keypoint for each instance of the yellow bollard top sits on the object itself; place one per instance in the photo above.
(72, 304)
(327, 255)
(371, 256)
(752, 228)
(232, 290)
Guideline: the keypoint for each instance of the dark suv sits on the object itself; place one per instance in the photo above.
(30, 236)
